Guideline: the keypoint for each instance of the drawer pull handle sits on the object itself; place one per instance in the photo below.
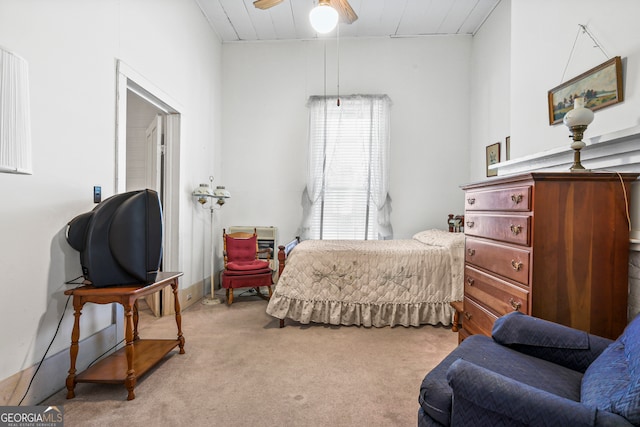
(470, 224)
(467, 315)
(470, 281)
(515, 229)
(471, 200)
(516, 305)
(471, 252)
(516, 198)
(516, 265)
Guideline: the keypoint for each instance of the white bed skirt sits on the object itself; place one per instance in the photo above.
(365, 314)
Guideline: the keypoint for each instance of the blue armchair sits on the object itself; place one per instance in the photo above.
(532, 372)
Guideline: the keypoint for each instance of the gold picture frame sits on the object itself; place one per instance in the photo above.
(507, 148)
(493, 157)
(601, 86)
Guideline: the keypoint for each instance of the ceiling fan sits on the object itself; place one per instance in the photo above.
(346, 13)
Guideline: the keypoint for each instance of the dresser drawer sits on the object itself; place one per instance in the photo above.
(462, 334)
(512, 263)
(507, 228)
(476, 319)
(505, 199)
(501, 297)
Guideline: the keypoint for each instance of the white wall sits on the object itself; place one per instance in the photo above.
(72, 47)
(266, 87)
(489, 117)
(542, 35)
(521, 52)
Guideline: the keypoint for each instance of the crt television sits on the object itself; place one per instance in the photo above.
(120, 240)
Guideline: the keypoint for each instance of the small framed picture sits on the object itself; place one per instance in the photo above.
(507, 148)
(493, 157)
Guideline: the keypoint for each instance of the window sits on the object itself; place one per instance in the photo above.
(347, 183)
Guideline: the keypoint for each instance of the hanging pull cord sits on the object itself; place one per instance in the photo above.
(338, 61)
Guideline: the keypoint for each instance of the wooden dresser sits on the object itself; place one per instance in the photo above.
(553, 245)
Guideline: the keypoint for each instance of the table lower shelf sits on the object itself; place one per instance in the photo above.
(113, 369)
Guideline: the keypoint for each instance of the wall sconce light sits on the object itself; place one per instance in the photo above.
(15, 118)
(202, 194)
(577, 121)
(323, 17)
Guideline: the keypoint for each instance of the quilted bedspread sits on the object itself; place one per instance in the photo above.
(372, 283)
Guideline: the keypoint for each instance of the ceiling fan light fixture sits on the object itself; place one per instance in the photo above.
(323, 18)
(266, 4)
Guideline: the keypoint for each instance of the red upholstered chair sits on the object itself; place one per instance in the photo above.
(242, 268)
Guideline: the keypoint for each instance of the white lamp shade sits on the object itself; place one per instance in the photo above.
(221, 193)
(203, 191)
(15, 121)
(579, 116)
(323, 18)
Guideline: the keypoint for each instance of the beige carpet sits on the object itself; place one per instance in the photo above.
(240, 369)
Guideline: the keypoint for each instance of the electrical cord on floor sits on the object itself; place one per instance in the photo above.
(46, 351)
(108, 350)
(249, 292)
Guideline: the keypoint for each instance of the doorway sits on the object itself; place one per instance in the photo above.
(147, 156)
(145, 159)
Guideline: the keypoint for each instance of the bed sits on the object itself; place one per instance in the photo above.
(405, 282)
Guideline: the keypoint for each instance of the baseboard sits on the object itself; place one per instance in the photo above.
(188, 296)
(52, 375)
(191, 295)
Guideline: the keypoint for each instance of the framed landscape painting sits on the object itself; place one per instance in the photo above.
(601, 86)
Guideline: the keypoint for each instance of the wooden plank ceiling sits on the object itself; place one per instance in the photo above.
(239, 20)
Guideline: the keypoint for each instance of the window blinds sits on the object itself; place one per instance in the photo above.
(347, 181)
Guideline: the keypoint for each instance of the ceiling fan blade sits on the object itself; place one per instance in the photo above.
(347, 15)
(266, 4)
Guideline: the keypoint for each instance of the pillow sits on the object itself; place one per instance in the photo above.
(612, 381)
(519, 328)
(440, 238)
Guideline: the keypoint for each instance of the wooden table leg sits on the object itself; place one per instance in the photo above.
(458, 308)
(130, 381)
(174, 288)
(73, 350)
(456, 322)
(136, 317)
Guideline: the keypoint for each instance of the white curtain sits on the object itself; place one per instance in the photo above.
(348, 162)
(15, 124)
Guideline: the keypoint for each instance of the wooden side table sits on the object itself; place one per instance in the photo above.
(138, 355)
